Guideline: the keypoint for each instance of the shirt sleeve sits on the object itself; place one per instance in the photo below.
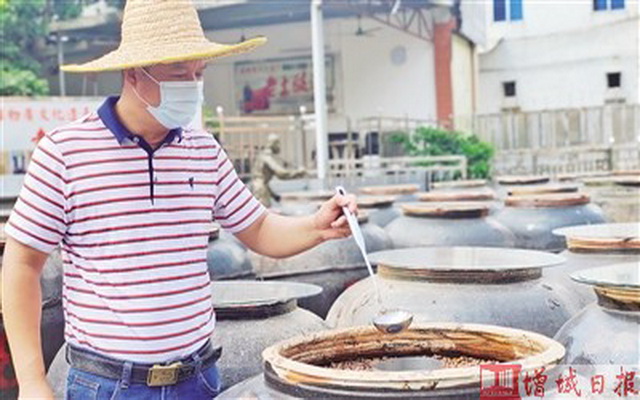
(38, 217)
(235, 207)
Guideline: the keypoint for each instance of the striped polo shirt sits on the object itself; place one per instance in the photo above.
(132, 224)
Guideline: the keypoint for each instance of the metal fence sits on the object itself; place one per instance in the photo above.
(244, 137)
(362, 150)
(580, 140)
(606, 125)
(559, 141)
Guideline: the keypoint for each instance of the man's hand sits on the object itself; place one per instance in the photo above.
(39, 390)
(279, 236)
(330, 220)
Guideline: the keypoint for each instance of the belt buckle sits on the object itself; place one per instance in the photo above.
(163, 375)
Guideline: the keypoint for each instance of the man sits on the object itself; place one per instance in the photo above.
(128, 193)
(266, 166)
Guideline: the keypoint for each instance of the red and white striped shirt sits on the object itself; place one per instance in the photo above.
(133, 230)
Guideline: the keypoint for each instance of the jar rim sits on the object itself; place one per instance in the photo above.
(617, 237)
(451, 209)
(291, 362)
(550, 200)
(243, 296)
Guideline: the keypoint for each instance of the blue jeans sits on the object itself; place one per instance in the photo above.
(204, 384)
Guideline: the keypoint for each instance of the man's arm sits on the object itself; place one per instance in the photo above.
(21, 310)
(279, 236)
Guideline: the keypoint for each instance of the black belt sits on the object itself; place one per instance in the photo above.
(151, 375)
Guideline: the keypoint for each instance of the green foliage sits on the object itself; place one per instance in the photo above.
(428, 141)
(24, 30)
(210, 118)
(67, 9)
(22, 23)
(21, 82)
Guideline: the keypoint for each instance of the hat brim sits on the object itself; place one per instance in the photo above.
(166, 53)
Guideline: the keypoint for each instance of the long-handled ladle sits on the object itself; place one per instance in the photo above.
(387, 321)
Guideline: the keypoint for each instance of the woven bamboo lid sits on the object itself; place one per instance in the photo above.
(390, 189)
(630, 180)
(472, 183)
(446, 210)
(604, 180)
(621, 237)
(582, 175)
(536, 189)
(375, 201)
(316, 195)
(620, 172)
(478, 195)
(547, 200)
(522, 179)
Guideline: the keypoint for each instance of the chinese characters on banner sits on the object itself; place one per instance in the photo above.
(23, 121)
(279, 86)
(509, 382)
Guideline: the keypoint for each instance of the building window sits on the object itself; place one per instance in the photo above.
(510, 10)
(600, 5)
(499, 10)
(509, 89)
(614, 80)
(617, 4)
(515, 10)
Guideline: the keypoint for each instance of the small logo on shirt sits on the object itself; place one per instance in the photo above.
(191, 182)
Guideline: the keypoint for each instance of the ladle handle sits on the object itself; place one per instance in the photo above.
(359, 238)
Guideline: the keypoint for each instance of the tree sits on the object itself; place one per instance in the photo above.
(24, 29)
(429, 141)
(22, 24)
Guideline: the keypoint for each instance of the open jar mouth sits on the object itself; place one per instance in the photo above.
(322, 359)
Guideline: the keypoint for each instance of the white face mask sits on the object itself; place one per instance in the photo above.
(179, 102)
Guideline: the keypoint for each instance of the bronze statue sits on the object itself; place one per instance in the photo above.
(266, 166)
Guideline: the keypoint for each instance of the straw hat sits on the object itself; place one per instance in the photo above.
(161, 32)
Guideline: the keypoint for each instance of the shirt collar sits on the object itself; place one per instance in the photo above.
(107, 114)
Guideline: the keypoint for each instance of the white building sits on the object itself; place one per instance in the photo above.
(374, 68)
(549, 55)
(507, 55)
